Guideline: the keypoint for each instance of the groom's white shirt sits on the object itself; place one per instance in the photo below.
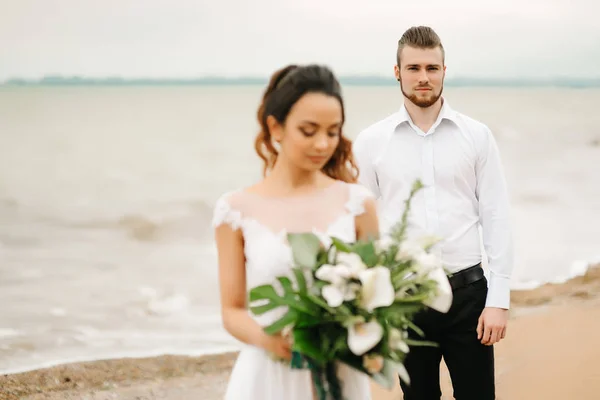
(458, 162)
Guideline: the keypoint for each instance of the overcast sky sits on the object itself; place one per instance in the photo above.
(191, 38)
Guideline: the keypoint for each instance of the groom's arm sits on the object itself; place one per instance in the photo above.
(494, 210)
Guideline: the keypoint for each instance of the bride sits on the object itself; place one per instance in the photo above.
(309, 186)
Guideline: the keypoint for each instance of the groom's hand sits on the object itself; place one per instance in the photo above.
(492, 325)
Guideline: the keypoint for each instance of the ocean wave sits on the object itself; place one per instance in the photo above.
(102, 355)
(576, 269)
(191, 220)
(9, 333)
(152, 222)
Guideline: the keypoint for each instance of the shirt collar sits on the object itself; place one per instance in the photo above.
(446, 112)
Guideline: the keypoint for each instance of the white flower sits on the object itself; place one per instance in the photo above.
(336, 274)
(352, 261)
(396, 341)
(409, 249)
(323, 238)
(427, 262)
(443, 298)
(362, 337)
(383, 244)
(349, 267)
(333, 295)
(377, 289)
(339, 290)
(429, 240)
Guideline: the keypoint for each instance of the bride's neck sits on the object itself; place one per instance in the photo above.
(290, 178)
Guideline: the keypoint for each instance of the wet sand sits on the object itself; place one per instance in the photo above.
(551, 352)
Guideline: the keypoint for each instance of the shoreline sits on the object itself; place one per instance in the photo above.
(208, 374)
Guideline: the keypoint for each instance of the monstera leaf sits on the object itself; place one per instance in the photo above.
(268, 295)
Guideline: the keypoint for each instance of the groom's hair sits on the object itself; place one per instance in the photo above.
(421, 37)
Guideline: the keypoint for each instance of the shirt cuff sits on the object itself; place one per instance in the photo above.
(498, 292)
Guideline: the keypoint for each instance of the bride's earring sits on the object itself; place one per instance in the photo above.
(276, 144)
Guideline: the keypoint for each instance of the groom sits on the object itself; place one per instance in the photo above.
(457, 159)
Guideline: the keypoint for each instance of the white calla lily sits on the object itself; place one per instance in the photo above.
(363, 336)
(443, 299)
(377, 289)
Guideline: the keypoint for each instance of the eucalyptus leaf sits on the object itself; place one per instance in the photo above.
(387, 376)
(305, 248)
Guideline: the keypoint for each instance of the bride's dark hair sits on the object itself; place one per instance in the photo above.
(285, 88)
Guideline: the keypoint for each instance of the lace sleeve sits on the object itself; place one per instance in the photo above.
(356, 201)
(224, 214)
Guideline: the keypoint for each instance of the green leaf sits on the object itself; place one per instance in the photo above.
(340, 344)
(286, 284)
(366, 251)
(276, 327)
(307, 342)
(387, 376)
(341, 245)
(300, 280)
(322, 258)
(423, 343)
(267, 292)
(415, 328)
(305, 248)
(260, 310)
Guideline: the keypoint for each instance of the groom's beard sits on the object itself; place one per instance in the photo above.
(420, 101)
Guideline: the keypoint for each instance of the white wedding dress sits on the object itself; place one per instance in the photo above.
(264, 223)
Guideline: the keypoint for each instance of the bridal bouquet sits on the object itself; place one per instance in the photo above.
(353, 303)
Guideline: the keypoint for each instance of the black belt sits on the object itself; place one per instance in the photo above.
(466, 276)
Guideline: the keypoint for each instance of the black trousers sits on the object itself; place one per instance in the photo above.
(470, 363)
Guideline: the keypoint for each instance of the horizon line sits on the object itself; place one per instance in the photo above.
(356, 79)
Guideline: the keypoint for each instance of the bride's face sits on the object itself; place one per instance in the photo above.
(311, 133)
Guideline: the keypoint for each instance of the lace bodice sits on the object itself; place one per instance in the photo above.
(265, 222)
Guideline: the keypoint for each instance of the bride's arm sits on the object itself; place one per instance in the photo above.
(232, 282)
(367, 223)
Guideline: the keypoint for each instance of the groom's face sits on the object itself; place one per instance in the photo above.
(421, 74)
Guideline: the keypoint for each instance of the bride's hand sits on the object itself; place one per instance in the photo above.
(278, 345)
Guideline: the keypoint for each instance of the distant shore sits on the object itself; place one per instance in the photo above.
(251, 80)
(550, 339)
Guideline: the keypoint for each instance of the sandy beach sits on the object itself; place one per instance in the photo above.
(551, 352)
